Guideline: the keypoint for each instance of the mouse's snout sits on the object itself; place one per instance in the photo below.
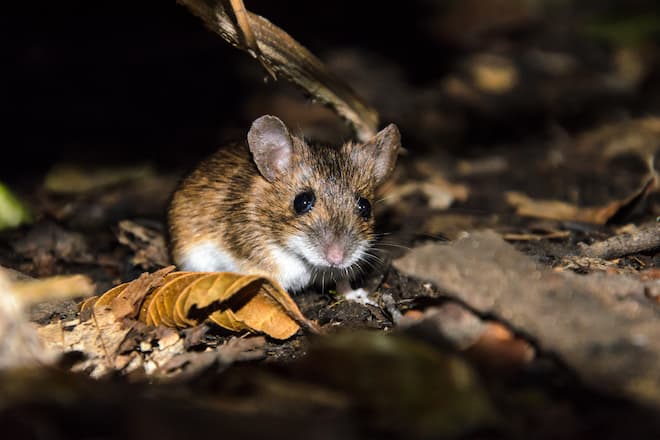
(340, 250)
(334, 254)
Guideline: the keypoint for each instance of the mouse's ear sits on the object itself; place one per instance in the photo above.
(381, 150)
(271, 146)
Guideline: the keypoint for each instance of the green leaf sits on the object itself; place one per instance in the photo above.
(12, 211)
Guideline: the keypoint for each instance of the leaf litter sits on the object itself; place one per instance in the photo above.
(489, 338)
(114, 328)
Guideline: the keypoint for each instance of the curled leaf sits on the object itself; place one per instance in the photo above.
(185, 299)
(613, 212)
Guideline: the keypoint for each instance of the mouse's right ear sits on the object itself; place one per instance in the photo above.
(271, 146)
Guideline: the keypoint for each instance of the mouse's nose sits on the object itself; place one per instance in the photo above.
(334, 254)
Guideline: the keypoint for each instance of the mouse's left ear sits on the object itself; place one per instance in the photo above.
(271, 146)
(382, 151)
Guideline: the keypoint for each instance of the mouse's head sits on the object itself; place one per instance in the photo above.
(318, 201)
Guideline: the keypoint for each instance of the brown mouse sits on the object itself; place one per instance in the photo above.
(278, 207)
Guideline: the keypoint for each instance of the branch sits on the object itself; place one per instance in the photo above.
(283, 56)
(643, 239)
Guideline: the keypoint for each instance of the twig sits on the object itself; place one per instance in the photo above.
(283, 56)
(240, 13)
(643, 239)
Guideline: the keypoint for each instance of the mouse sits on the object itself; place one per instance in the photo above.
(275, 206)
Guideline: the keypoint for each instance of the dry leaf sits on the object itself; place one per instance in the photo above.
(563, 211)
(482, 166)
(493, 73)
(69, 178)
(126, 302)
(529, 236)
(637, 136)
(186, 299)
(58, 287)
(99, 338)
(440, 192)
(499, 348)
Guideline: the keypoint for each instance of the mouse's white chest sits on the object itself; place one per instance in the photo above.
(293, 273)
(288, 270)
(208, 257)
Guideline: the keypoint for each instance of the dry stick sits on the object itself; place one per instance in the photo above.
(643, 239)
(282, 55)
(241, 16)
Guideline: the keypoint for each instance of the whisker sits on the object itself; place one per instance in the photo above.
(394, 245)
(375, 257)
(435, 237)
(369, 263)
(382, 199)
(359, 267)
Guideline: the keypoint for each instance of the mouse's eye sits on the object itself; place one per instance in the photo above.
(304, 202)
(364, 207)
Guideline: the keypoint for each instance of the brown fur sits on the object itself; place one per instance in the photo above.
(226, 200)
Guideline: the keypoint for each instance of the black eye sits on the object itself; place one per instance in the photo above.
(304, 202)
(364, 207)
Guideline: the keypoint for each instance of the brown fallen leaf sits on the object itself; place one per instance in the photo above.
(482, 166)
(68, 178)
(99, 339)
(493, 74)
(126, 303)
(440, 192)
(637, 136)
(499, 348)
(529, 236)
(57, 287)
(186, 299)
(563, 211)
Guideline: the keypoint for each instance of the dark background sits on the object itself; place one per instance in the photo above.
(144, 80)
(130, 81)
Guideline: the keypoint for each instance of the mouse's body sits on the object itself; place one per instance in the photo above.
(281, 208)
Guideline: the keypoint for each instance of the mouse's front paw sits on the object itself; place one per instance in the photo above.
(361, 296)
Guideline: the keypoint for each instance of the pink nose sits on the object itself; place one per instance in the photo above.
(334, 254)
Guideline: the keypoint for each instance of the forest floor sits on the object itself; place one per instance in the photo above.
(519, 293)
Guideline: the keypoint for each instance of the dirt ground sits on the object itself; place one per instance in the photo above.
(519, 288)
